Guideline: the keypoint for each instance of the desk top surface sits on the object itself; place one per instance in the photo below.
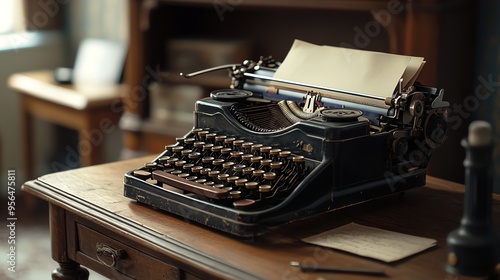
(41, 84)
(96, 193)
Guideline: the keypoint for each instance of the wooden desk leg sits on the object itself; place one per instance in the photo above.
(90, 153)
(68, 269)
(91, 137)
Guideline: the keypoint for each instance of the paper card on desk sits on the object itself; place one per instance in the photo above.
(371, 242)
(370, 73)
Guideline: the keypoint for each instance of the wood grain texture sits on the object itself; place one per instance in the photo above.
(94, 196)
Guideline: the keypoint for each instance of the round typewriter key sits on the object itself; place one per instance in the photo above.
(340, 115)
(256, 147)
(207, 146)
(222, 177)
(210, 137)
(248, 170)
(232, 179)
(194, 155)
(269, 176)
(186, 152)
(201, 181)
(247, 157)
(150, 166)
(189, 141)
(299, 162)
(172, 161)
(216, 149)
(229, 141)
(234, 194)
(169, 169)
(265, 163)
(228, 189)
(265, 188)
(230, 95)
(226, 151)
(240, 182)
(199, 144)
(142, 174)
(218, 186)
(163, 159)
(192, 178)
(187, 166)
(196, 130)
(236, 154)
(180, 163)
(298, 159)
(203, 134)
(213, 173)
(176, 172)
(251, 185)
(276, 165)
(169, 147)
(220, 138)
(243, 203)
(183, 175)
(247, 145)
(228, 165)
(265, 149)
(256, 160)
(207, 160)
(179, 140)
(274, 152)
(238, 143)
(285, 154)
(258, 173)
(177, 149)
(209, 183)
(238, 168)
(197, 169)
(205, 171)
(218, 162)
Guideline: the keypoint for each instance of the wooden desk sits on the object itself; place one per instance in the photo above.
(92, 112)
(88, 210)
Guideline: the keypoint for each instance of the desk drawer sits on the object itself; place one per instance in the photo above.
(117, 258)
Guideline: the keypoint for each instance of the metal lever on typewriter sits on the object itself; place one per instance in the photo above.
(236, 71)
(208, 70)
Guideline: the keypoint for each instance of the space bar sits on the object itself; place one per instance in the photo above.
(190, 186)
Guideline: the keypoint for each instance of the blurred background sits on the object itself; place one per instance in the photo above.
(460, 41)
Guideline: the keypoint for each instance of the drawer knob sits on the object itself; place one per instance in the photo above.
(109, 255)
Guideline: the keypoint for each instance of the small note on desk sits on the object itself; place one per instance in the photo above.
(371, 242)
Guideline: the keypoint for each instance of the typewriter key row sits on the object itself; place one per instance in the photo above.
(226, 170)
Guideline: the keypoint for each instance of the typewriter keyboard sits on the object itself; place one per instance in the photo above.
(225, 170)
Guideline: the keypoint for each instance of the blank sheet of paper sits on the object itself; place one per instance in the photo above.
(370, 73)
(371, 242)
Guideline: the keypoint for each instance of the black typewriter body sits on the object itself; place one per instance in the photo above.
(247, 166)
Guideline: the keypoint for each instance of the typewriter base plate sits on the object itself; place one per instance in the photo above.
(250, 224)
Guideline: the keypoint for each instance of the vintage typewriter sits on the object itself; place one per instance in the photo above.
(260, 155)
